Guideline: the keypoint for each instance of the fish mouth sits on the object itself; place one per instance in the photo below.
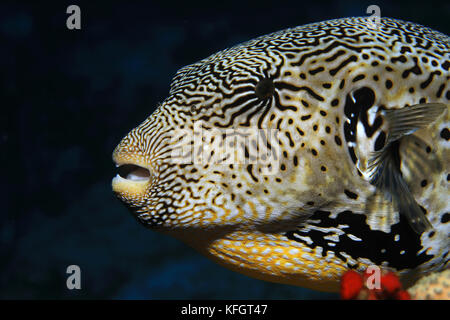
(131, 179)
(133, 172)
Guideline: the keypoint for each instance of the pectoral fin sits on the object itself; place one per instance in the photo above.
(385, 164)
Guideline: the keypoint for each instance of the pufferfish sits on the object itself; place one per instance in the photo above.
(298, 155)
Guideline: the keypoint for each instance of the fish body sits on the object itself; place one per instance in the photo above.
(282, 158)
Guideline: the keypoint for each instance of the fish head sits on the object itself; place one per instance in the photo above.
(202, 159)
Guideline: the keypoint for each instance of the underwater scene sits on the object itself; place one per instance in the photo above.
(99, 97)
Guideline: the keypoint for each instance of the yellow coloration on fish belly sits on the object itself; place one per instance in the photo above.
(303, 153)
(274, 259)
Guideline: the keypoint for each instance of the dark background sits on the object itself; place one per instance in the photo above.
(69, 96)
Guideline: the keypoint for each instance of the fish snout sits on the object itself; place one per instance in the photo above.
(134, 174)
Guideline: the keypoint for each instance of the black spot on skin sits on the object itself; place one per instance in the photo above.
(315, 127)
(375, 77)
(405, 49)
(295, 161)
(250, 171)
(423, 183)
(445, 218)
(428, 149)
(328, 129)
(305, 117)
(352, 153)
(326, 85)
(411, 90)
(343, 64)
(264, 89)
(445, 134)
(317, 70)
(350, 194)
(427, 82)
(440, 90)
(372, 241)
(302, 75)
(323, 113)
(431, 234)
(310, 203)
(358, 78)
(334, 103)
(338, 140)
(401, 58)
(314, 152)
(323, 168)
(448, 177)
(416, 70)
(388, 84)
(447, 94)
(446, 65)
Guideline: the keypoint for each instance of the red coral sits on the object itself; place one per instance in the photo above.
(351, 284)
(390, 283)
(356, 286)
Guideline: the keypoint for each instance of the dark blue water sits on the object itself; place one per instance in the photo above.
(67, 98)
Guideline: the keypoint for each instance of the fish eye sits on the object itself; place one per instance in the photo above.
(264, 88)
